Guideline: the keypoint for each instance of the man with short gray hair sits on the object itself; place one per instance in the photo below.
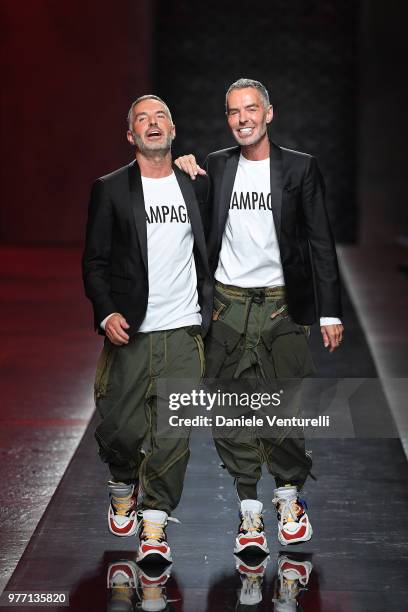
(273, 259)
(145, 270)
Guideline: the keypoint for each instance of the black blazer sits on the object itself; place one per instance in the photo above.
(115, 261)
(305, 239)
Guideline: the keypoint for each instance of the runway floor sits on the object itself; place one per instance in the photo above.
(358, 554)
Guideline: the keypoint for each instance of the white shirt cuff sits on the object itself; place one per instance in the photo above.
(329, 321)
(103, 323)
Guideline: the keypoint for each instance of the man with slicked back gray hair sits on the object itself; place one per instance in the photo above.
(273, 260)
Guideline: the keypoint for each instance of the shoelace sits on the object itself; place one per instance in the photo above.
(152, 530)
(251, 521)
(155, 525)
(122, 504)
(251, 593)
(122, 593)
(251, 584)
(154, 592)
(288, 590)
(252, 581)
(287, 508)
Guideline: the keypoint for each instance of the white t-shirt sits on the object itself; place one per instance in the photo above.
(249, 255)
(173, 299)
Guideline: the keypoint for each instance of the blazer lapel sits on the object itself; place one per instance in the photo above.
(227, 186)
(276, 187)
(193, 210)
(138, 207)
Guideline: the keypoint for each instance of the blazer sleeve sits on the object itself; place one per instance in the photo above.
(320, 237)
(96, 260)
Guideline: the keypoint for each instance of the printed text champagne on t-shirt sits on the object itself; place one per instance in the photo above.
(173, 299)
(249, 255)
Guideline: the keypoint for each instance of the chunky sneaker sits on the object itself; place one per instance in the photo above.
(153, 547)
(294, 525)
(122, 519)
(151, 589)
(121, 582)
(251, 573)
(290, 583)
(251, 538)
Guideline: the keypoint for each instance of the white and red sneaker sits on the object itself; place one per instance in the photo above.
(122, 514)
(252, 573)
(152, 588)
(291, 582)
(153, 547)
(131, 587)
(293, 523)
(251, 537)
(122, 584)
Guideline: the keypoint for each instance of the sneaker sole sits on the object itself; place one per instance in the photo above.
(251, 549)
(154, 558)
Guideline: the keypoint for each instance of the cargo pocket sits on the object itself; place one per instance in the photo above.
(103, 368)
(220, 343)
(288, 348)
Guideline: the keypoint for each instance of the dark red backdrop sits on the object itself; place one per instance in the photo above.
(69, 73)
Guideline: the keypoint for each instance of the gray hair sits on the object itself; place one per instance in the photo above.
(141, 99)
(243, 84)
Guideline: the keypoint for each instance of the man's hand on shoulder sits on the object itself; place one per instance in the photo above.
(188, 164)
(332, 336)
(114, 329)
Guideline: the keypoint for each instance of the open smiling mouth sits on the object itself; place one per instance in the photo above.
(154, 134)
(247, 131)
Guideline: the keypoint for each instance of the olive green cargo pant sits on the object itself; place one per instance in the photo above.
(126, 398)
(253, 337)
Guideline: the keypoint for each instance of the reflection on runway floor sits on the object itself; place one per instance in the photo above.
(131, 587)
